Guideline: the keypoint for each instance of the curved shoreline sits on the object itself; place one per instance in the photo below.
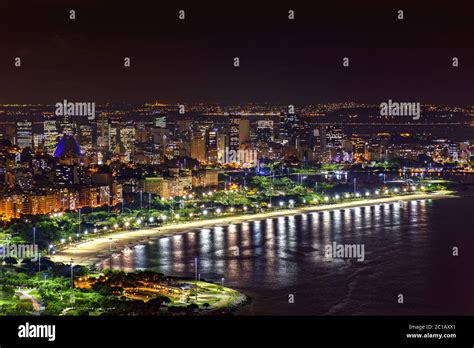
(97, 249)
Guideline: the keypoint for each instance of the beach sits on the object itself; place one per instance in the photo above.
(95, 250)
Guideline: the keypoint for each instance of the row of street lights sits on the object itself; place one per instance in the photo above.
(219, 211)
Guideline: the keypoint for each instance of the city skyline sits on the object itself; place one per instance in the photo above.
(170, 165)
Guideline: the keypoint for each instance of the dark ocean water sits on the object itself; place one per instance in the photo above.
(408, 250)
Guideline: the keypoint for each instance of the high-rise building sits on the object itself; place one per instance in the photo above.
(289, 127)
(67, 126)
(50, 136)
(115, 125)
(66, 175)
(85, 136)
(160, 121)
(127, 138)
(334, 136)
(212, 149)
(234, 133)
(103, 132)
(198, 148)
(264, 132)
(244, 131)
(38, 141)
(24, 134)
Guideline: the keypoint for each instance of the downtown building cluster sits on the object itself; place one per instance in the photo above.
(51, 163)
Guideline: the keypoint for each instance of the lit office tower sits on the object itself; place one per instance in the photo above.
(264, 133)
(334, 136)
(198, 147)
(160, 121)
(239, 132)
(103, 132)
(85, 136)
(127, 138)
(319, 135)
(453, 151)
(50, 136)
(24, 134)
(66, 126)
(114, 140)
(234, 134)
(38, 141)
(244, 131)
(115, 124)
(212, 149)
(289, 127)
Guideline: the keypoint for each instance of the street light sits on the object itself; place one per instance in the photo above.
(72, 273)
(326, 198)
(151, 219)
(218, 210)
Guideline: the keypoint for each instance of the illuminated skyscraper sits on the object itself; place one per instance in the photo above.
(24, 134)
(127, 138)
(289, 127)
(103, 132)
(50, 136)
(212, 149)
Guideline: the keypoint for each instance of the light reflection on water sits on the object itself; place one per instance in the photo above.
(407, 250)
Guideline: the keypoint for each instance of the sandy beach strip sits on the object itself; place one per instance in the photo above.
(94, 250)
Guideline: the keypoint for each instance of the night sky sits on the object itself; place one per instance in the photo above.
(282, 61)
